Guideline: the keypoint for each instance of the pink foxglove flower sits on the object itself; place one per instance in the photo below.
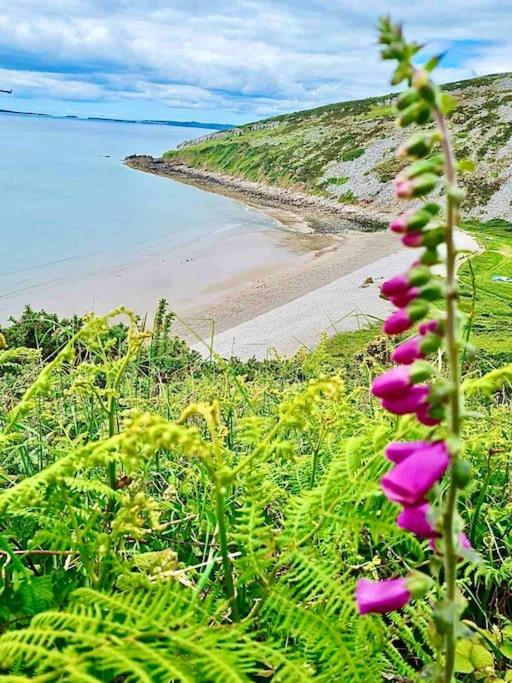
(392, 384)
(429, 326)
(408, 352)
(423, 415)
(395, 285)
(381, 596)
(410, 480)
(403, 300)
(415, 519)
(396, 451)
(413, 239)
(410, 402)
(403, 187)
(398, 322)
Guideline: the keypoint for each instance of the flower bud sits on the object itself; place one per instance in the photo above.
(403, 300)
(430, 257)
(400, 284)
(417, 310)
(424, 86)
(413, 239)
(405, 99)
(392, 384)
(434, 164)
(419, 275)
(420, 371)
(428, 238)
(431, 291)
(419, 145)
(430, 326)
(398, 322)
(408, 352)
(462, 473)
(415, 113)
(418, 584)
(395, 285)
(429, 415)
(404, 318)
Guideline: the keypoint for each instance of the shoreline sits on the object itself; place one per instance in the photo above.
(334, 244)
(293, 209)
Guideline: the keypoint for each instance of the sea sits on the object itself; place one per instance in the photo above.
(69, 206)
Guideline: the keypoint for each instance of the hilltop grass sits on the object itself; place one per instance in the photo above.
(311, 150)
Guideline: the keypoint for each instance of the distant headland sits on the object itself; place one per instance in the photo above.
(147, 122)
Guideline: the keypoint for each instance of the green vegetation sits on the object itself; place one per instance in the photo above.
(166, 517)
(307, 149)
(352, 154)
(489, 302)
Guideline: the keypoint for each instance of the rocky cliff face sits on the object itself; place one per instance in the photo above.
(346, 151)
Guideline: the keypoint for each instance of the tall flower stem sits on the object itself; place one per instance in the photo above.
(454, 412)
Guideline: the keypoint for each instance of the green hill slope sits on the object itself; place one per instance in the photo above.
(347, 150)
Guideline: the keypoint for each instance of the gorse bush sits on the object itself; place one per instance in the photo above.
(169, 518)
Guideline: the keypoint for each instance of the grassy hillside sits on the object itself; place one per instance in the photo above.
(347, 150)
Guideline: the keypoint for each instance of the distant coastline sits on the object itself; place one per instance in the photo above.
(319, 214)
(145, 122)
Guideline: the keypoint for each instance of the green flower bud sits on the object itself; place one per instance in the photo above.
(420, 371)
(433, 165)
(418, 584)
(415, 113)
(432, 238)
(419, 275)
(431, 291)
(417, 310)
(424, 86)
(406, 99)
(424, 184)
(432, 208)
(462, 473)
(430, 343)
(456, 193)
(419, 145)
(418, 220)
(430, 257)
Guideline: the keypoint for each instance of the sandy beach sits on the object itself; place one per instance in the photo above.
(256, 291)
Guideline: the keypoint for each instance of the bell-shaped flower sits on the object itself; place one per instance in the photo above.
(381, 596)
(409, 481)
(408, 352)
(416, 520)
(396, 451)
(410, 402)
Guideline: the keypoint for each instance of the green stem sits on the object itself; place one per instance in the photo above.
(454, 412)
(229, 585)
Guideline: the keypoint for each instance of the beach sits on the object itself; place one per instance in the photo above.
(331, 286)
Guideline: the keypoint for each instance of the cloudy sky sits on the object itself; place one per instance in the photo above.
(227, 61)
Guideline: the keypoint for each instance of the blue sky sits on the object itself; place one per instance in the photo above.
(231, 61)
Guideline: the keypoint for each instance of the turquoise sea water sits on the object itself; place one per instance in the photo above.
(68, 205)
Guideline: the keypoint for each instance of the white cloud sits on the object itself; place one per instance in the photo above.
(250, 57)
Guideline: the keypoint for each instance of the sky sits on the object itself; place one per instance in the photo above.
(229, 61)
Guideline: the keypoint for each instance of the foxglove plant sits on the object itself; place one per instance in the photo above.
(414, 387)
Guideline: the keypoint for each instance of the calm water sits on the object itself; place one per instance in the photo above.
(69, 206)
